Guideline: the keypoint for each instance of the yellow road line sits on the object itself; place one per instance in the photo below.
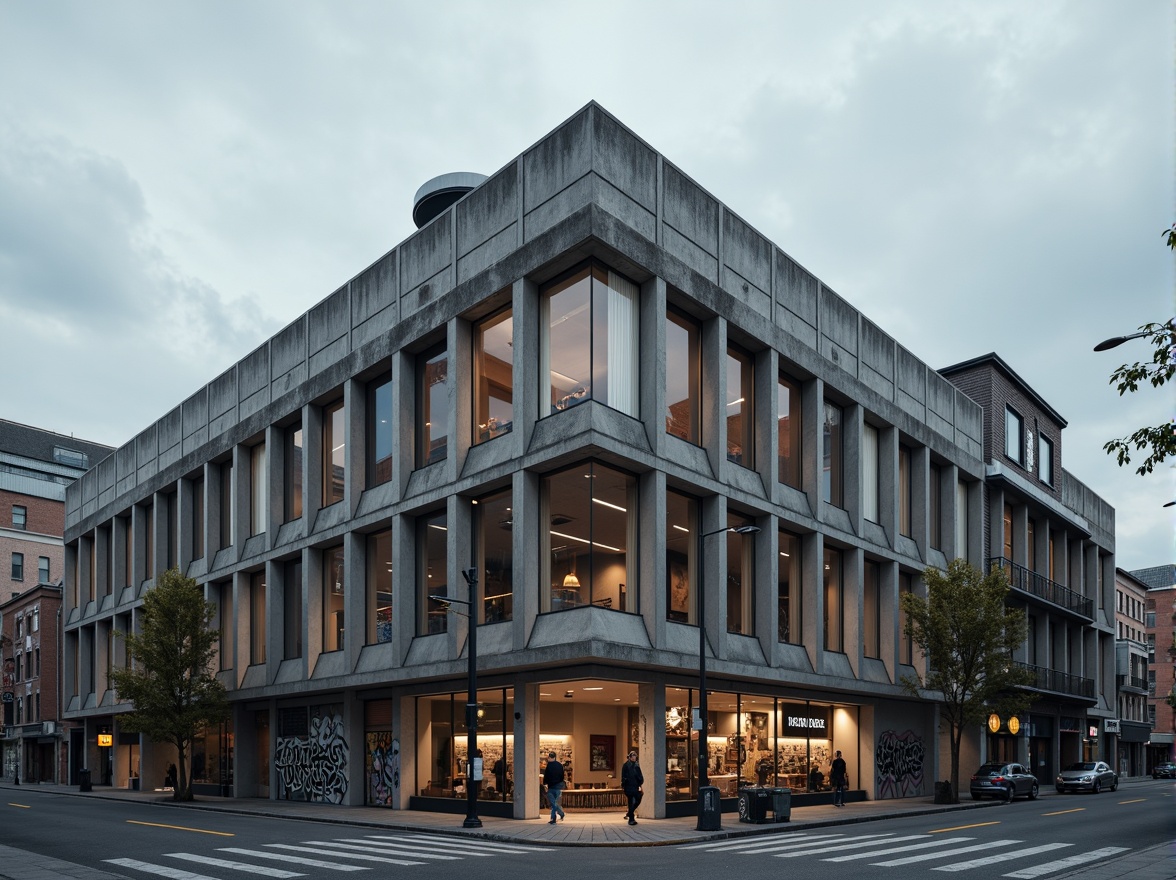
(22, 806)
(1136, 801)
(182, 828)
(962, 827)
(1063, 812)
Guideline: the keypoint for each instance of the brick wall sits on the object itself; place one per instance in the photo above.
(45, 516)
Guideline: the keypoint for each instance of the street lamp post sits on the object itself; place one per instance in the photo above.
(703, 739)
(471, 578)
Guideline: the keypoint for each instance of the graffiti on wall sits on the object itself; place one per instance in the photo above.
(382, 765)
(899, 763)
(312, 766)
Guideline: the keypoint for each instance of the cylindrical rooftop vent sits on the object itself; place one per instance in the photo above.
(439, 193)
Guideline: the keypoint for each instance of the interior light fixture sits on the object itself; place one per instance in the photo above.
(571, 581)
(682, 529)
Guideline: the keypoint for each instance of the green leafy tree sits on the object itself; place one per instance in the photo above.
(170, 685)
(968, 634)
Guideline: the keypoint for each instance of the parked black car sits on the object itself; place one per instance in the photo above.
(1003, 781)
(1164, 771)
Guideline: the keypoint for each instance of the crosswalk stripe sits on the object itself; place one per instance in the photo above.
(157, 870)
(235, 866)
(340, 854)
(1068, 862)
(381, 848)
(810, 845)
(885, 852)
(1002, 857)
(848, 844)
(739, 845)
(456, 841)
(413, 847)
(293, 860)
(926, 857)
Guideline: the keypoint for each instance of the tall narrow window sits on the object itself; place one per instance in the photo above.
(20, 517)
(870, 478)
(92, 550)
(432, 573)
(334, 453)
(494, 376)
(961, 520)
(379, 430)
(292, 494)
(227, 632)
(834, 591)
(739, 410)
(292, 610)
(1030, 546)
(1008, 532)
(432, 406)
(18, 567)
(589, 349)
(1045, 459)
(227, 509)
(1014, 436)
(148, 543)
(681, 571)
(740, 578)
(170, 535)
(42, 569)
(257, 618)
(905, 642)
(788, 426)
(788, 589)
(935, 507)
(258, 490)
(683, 376)
(379, 587)
(128, 547)
(495, 530)
(831, 456)
(871, 613)
(904, 491)
(590, 553)
(334, 588)
(198, 518)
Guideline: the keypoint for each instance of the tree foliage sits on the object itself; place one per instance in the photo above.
(169, 682)
(967, 633)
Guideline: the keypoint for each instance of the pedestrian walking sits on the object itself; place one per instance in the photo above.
(839, 776)
(553, 780)
(631, 781)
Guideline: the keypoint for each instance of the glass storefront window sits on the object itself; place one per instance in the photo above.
(442, 736)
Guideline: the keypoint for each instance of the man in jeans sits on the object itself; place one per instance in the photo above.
(839, 777)
(631, 781)
(553, 778)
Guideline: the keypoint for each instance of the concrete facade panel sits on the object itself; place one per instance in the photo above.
(195, 412)
(288, 348)
(624, 161)
(690, 210)
(488, 210)
(796, 289)
(691, 254)
(546, 215)
(327, 322)
(373, 328)
(418, 297)
(147, 445)
(253, 373)
(557, 161)
(839, 322)
(747, 252)
(746, 292)
(487, 253)
(426, 253)
(171, 429)
(375, 289)
(222, 393)
(625, 209)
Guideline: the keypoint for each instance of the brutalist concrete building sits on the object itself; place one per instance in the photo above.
(579, 377)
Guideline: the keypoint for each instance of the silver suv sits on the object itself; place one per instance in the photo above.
(1003, 781)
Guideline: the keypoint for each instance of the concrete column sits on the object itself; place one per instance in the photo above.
(275, 605)
(353, 732)
(651, 528)
(526, 751)
(651, 748)
(652, 362)
(852, 587)
(525, 487)
(355, 428)
(354, 598)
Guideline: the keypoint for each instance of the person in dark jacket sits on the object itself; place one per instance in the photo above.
(631, 781)
(553, 778)
(839, 776)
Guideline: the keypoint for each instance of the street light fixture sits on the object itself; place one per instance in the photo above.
(705, 821)
(475, 769)
(1116, 341)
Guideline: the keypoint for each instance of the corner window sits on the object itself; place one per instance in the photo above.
(1045, 459)
(834, 593)
(831, 456)
(379, 430)
(591, 510)
(871, 610)
(788, 426)
(379, 587)
(683, 376)
(740, 578)
(495, 530)
(334, 453)
(588, 348)
(739, 410)
(432, 574)
(904, 491)
(681, 571)
(494, 376)
(292, 610)
(292, 494)
(432, 406)
(18, 566)
(20, 517)
(1014, 436)
(788, 589)
(257, 618)
(334, 588)
(870, 477)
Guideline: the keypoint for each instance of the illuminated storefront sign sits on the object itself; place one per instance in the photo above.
(800, 720)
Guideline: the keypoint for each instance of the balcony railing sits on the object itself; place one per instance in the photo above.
(1138, 682)
(1060, 682)
(1042, 587)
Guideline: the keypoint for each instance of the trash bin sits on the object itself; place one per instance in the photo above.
(943, 792)
(754, 804)
(84, 780)
(781, 803)
(709, 815)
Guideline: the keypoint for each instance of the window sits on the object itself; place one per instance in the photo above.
(739, 411)
(18, 566)
(831, 457)
(788, 426)
(70, 457)
(334, 587)
(905, 643)
(379, 430)
(740, 578)
(36, 620)
(42, 569)
(871, 610)
(226, 504)
(170, 535)
(681, 566)
(20, 517)
(683, 376)
(1008, 532)
(834, 628)
(904, 491)
(198, 518)
(589, 350)
(1045, 459)
(257, 618)
(935, 507)
(1150, 619)
(148, 546)
(432, 406)
(1151, 647)
(961, 520)
(1030, 546)
(92, 574)
(494, 376)
(1014, 436)
(292, 610)
(128, 533)
(258, 490)
(591, 510)
(788, 589)
(432, 573)
(870, 478)
(379, 587)
(334, 452)
(495, 530)
(292, 494)
(226, 626)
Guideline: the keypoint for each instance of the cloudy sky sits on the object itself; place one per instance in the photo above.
(180, 180)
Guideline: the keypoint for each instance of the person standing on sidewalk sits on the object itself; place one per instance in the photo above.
(631, 781)
(553, 779)
(839, 776)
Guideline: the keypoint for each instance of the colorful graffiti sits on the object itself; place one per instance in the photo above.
(314, 767)
(382, 765)
(899, 763)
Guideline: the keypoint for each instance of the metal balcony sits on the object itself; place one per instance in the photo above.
(1034, 584)
(1045, 679)
(1132, 682)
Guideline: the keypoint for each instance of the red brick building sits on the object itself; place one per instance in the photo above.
(1160, 624)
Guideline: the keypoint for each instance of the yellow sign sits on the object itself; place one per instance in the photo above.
(994, 722)
(105, 739)
(1014, 725)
